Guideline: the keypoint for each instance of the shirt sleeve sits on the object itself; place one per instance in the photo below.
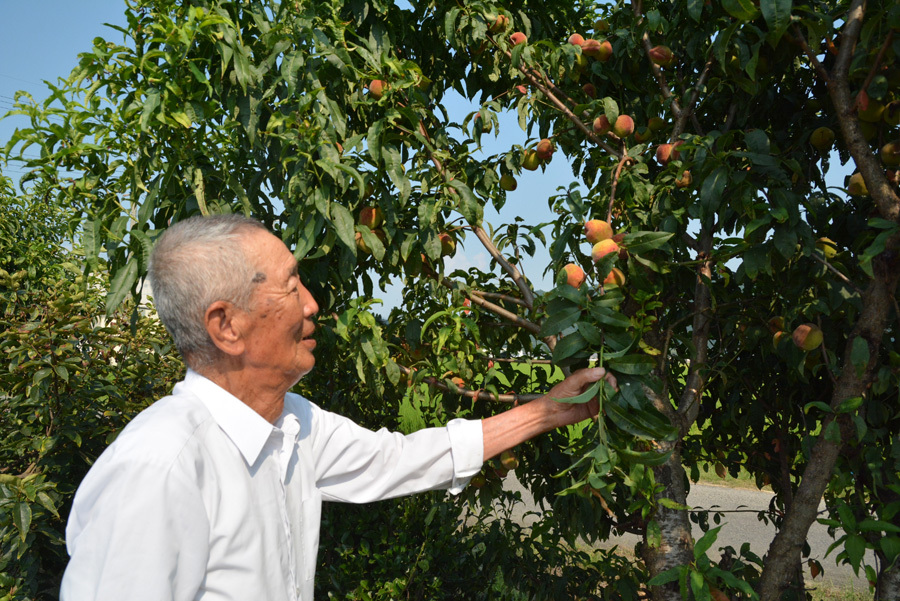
(357, 465)
(136, 532)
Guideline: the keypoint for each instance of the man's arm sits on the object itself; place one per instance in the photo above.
(507, 429)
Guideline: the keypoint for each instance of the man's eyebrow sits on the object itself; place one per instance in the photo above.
(295, 269)
(259, 278)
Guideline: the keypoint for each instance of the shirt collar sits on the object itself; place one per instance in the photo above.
(246, 428)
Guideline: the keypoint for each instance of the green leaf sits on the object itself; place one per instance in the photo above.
(849, 405)
(559, 321)
(695, 9)
(777, 14)
(641, 242)
(670, 575)
(705, 542)
(343, 225)
(859, 355)
(633, 365)
(21, 515)
(567, 346)
(121, 285)
(672, 504)
(638, 422)
(469, 207)
(150, 105)
(890, 546)
(699, 586)
(744, 10)
(855, 546)
(711, 192)
(584, 397)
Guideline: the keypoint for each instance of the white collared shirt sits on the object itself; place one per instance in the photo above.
(201, 498)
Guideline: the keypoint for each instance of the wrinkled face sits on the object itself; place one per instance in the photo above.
(279, 333)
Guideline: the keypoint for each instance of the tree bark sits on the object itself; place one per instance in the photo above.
(676, 545)
(888, 586)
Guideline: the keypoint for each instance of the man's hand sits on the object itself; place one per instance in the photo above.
(564, 414)
(517, 425)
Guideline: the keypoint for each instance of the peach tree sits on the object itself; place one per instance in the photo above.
(707, 248)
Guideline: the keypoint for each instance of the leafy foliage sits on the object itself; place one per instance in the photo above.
(70, 381)
(303, 114)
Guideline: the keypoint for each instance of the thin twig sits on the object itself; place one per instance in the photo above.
(478, 395)
(877, 64)
(692, 103)
(612, 193)
(840, 275)
(819, 67)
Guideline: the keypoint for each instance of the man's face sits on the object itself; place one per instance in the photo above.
(278, 337)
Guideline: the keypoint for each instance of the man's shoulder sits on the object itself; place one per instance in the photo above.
(160, 433)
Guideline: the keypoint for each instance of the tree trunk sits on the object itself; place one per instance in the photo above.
(887, 588)
(784, 552)
(676, 546)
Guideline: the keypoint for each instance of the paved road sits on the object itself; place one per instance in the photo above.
(738, 527)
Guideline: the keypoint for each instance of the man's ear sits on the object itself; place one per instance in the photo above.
(224, 324)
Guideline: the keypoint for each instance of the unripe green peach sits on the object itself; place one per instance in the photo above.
(857, 185)
(822, 139)
(508, 182)
(531, 161)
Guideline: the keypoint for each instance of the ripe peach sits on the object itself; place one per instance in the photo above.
(544, 149)
(614, 278)
(665, 153)
(499, 24)
(624, 126)
(589, 90)
(518, 38)
(662, 56)
(684, 180)
(576, 39)
(448, 244)
(596, 230)
(574, 275)
(371, 217)
(603, 248)
(601, 125)
(807, 336)
(602, 51)
(377, 88)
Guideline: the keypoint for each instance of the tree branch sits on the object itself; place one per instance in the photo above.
(499, 296)
(819, 67)
(478, 395)
(559, 104)
(681, 121)
(508, 267)
(689, 404)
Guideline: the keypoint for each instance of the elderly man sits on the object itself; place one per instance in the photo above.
(215, 491)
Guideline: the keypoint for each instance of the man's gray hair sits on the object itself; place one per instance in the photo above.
(195, 263)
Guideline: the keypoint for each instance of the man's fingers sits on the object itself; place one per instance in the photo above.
(592, 374)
